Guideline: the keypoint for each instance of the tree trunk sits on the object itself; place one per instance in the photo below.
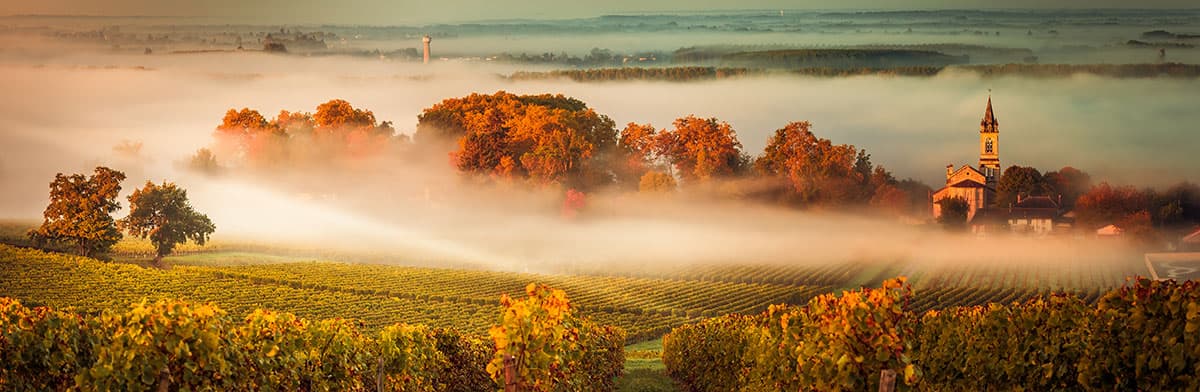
(158, 262)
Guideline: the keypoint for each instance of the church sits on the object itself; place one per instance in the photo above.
(976, 185)
(1037, 215)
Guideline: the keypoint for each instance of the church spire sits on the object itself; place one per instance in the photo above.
(989, 145)
(989, 123)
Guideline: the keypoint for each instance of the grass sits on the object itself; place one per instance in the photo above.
(651, 345)
(644, 370)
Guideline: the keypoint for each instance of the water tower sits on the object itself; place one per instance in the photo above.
(425, 40)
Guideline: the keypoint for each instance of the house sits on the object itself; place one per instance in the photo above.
(1190, 242)
(1110, 231)
(1033, 215)
(1036, 215)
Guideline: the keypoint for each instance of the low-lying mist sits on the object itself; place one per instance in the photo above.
(146, 114)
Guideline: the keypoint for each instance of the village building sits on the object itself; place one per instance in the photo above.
(1036, 215)
(1190, 242)
(975, 185)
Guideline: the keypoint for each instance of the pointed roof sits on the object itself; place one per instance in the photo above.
(1193, 238)
(989, 118)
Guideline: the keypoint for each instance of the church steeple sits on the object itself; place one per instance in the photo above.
(989, 124)
(989, 144)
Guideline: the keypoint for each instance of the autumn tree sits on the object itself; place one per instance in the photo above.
(245, 135)
(204, 162)
(163, 214)
(338, 133)
(637, 153)
(918, 194)
(657, 182)
(817, 169)
(1105, 204)
(547, 139)
(339, 113)
(79, 213)
(1069, 183)
(1178, 206)
(1019, 181)
(954, 213)
(701, 149)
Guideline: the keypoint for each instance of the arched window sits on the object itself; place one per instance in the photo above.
(987, 146)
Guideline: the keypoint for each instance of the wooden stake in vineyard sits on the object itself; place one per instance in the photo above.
(887, 380)
(510, 374)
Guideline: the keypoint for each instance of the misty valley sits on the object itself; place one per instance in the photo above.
(696, 200)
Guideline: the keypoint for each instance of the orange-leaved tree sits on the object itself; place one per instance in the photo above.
(79, 213)
(701, 149)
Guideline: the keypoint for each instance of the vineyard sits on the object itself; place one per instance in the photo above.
(181, 345)
(1141, 336)
(377, 295)
(645, 303)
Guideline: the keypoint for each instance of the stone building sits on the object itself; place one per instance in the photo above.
(976, 185)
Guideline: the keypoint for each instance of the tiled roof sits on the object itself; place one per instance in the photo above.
(1037, 202)
(1193, 238)
(967, 184)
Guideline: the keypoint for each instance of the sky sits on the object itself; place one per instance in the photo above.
(407, 11)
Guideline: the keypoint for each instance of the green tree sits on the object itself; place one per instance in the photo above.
(954, 213)
(163, 214)
(79, 213)
(1020, 180)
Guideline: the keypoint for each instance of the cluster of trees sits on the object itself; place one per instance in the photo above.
(597, 57)
(693, 73)
(1174, 70)
(1068, 183)
(1139, 212)
(336, 133)
(543, 138)
(800, 58)
(552, 139)
(80, 215)
(673, 74)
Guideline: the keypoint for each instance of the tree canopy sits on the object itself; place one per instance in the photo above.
(80, 211)
(1020, 181)
(163, 214)
(701, 148)
(547, 139)
(954, 213)
(336, 133)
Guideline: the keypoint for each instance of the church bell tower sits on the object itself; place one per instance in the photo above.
(989, 145)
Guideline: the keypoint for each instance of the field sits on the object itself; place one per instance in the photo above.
(647, 304)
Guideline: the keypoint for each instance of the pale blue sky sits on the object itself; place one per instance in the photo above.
(406, 11)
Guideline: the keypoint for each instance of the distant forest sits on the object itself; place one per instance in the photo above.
(684, 74)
